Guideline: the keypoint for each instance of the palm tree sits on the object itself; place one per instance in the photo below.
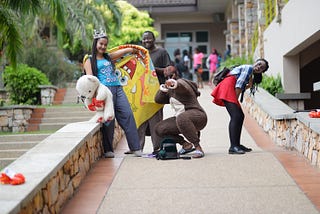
(65, 21)
(82, 18)
(10, 12)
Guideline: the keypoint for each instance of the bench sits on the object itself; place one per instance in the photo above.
(286, 127)
(294, 100)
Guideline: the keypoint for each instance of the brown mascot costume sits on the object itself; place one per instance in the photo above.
(184, 127)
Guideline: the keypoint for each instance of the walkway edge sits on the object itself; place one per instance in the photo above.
(298, 167)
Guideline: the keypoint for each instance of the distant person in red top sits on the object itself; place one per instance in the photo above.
(197, 65)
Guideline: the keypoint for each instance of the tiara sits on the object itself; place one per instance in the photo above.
(99, 33)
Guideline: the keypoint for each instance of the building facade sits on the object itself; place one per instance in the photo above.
(187, 24)
(285, 32)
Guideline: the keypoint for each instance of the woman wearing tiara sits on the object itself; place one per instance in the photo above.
(101, 64)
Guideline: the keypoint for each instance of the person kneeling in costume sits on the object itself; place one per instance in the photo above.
(184, 127)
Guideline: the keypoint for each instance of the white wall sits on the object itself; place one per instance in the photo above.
(299, 28)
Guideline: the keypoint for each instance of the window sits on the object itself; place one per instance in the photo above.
(186, 37)
(172, 37)
(185, 40)
(202, 36)
(203, 48)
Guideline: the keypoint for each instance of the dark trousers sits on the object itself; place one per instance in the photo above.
(236, 122)
(125, 119)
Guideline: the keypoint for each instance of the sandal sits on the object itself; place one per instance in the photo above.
(183, 151)
(198, 154)
(128, 152)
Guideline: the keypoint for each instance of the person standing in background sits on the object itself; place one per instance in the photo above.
(161, 60)
(186, 62)
(197, 65)
(212, 62)
(227, 53)
(178, 62)
(219, 60)
(177, 56)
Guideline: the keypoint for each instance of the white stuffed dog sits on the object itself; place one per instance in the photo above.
(97, 97)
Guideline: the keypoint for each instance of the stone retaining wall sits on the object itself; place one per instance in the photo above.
(63, 184)
(47, 93)
(53, 169)
(15, 118)
(287, 128)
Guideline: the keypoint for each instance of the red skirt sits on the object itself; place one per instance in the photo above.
(225, 90)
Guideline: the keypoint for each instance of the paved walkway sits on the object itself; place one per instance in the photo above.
(267, 180)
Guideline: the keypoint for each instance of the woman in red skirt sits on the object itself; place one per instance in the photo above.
(227, 92)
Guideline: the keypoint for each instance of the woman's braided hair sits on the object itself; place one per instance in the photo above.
(257, 77)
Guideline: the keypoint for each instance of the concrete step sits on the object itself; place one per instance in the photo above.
(5, 162)
(67, 119)
(17, 145)
(14, 145)
(78, 113)
(70, 100)
(79, 107)
(23, 137)
(12, 153)
(71, 96)
(74, 113)
(72, 84)
(51, 126)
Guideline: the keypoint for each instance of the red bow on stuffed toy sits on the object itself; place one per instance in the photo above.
(10, 177)
(96, 104)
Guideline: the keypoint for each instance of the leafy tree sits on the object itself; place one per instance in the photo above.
(134, 23)
(82, 18)
(53, 63)
(123, 22)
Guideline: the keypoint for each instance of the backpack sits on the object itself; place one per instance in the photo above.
(220, 75)
(168, 150)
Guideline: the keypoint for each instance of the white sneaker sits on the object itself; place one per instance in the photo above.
(137, 153)
(109, 155)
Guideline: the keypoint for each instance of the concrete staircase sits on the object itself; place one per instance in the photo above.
(46, 120)
(13, 146)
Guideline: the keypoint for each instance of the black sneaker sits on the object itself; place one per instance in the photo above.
(236, 150)
(246, 149)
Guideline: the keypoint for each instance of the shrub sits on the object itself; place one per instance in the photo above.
(22, 84)
(230, 62)
(272, 84)
(2, 102)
